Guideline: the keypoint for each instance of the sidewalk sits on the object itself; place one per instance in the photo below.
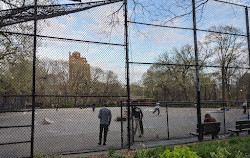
(98, 154)
(139, 145)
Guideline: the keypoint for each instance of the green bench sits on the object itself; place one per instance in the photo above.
(212, 128)
(241, 126)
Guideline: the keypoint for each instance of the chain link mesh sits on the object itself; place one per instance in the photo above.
(81, 65)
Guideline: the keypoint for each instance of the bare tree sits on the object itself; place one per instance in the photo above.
(228, 50)
(11, 44)
(52, 76)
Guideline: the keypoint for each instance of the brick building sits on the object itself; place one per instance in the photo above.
(79, 73)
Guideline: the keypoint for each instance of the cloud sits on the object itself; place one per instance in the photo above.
(101, 21)
(145, 46)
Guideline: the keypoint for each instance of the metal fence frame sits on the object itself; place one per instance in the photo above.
(128, 63)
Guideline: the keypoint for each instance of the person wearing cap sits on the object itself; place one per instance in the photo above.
(105, 119)
(157, 108)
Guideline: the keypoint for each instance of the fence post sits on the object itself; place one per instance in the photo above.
(197, 72)
(224, 116)
(121, 125)
(167, 118)
(248, 48)
(34, 81)
(127, 67)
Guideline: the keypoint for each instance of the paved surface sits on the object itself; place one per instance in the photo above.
(76, 130)
(151, 144)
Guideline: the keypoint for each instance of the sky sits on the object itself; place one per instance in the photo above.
(146, 43)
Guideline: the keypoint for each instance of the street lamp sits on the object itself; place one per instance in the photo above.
(241, 91)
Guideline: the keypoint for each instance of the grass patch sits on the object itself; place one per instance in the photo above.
(238, 147)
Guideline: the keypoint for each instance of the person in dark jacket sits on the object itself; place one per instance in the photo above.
(105, 119)
(93, 107)
(138, 115)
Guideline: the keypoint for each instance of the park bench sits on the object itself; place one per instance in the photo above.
(208, 128)
(119, 118)
(241, 126)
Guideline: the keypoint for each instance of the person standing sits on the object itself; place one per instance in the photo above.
(93, 107)
(157, 108)
(138, 115)
(244, 106)
(105, 119)
(56, 106)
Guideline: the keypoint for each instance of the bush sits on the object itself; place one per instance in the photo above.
(38, 154)
(234, 148)
(205, 148)
(141, 153)
(179, 152)
(113, 154)
(239, 144)
(152, 152)
(65, 106)
(220, 153)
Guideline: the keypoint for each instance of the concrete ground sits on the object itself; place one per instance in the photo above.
(76, 130)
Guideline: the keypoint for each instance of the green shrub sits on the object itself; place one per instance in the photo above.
(239, 144)
(154, 152)
(45, 106)
(179, 152)
(65, 106)
(224, 153)
(111, 151)
(38, 154)
(141, 153)
(220, 153)
(205, 148)
(113, 154)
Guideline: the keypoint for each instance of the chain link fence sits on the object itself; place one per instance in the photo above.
(81, 64)
(166, 58)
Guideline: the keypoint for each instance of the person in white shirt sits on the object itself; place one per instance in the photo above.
(157, 108)
(244, 106)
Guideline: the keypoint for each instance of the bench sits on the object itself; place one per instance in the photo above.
(208, 128)
(119, 118)
(241, 126)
